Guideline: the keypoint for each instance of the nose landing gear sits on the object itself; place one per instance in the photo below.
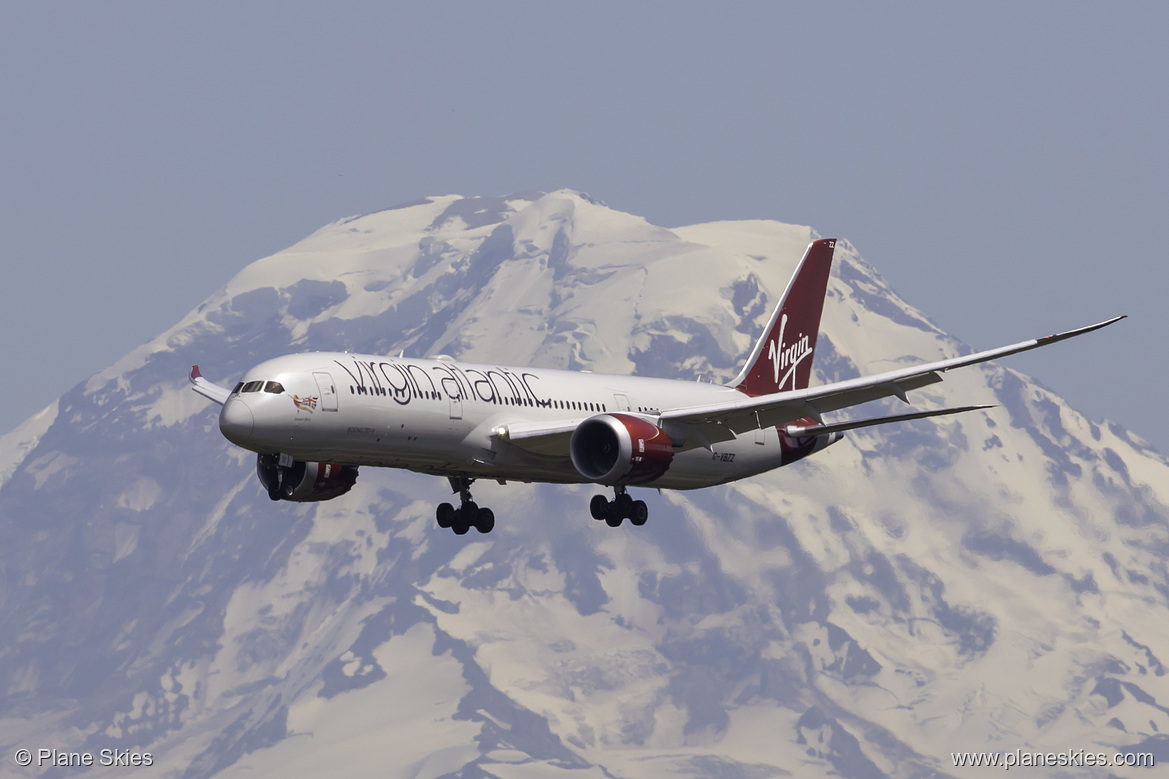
(622, 507)
(280, 475)
(468, 515)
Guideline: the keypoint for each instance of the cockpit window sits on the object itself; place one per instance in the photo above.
(238, 387)
(252, 386)
(274, 387)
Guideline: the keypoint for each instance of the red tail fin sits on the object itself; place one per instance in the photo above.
(782, 359)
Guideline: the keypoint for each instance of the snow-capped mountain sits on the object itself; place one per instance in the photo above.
(985, 582)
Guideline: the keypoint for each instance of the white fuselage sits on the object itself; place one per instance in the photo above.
(449, 418)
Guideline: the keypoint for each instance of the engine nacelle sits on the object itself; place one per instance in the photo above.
(304, 482)
(794, 448)
(617, 449)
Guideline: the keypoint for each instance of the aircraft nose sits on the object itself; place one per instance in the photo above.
(235, 421)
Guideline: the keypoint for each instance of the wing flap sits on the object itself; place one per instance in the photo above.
(840, 427)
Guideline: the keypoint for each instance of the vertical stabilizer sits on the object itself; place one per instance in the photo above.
(782, 359)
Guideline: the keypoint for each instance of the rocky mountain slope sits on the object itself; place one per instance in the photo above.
(985, 582)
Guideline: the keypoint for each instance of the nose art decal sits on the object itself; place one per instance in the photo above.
(308, 404)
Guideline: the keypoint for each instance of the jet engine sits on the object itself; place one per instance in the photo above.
(618, 449)
(303, 482)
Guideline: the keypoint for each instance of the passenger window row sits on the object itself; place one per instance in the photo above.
(276, 388)
(566, 405)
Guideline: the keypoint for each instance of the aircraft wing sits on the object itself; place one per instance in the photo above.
(549, 438)
(704, 425)
(207, 389)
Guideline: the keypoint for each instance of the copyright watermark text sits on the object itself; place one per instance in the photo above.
(59, 758)
(1068, 758)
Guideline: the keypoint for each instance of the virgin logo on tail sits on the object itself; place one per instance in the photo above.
(785, 357)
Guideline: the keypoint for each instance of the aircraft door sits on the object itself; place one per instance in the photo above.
(622, 401)
(327, 389)
(456, 407)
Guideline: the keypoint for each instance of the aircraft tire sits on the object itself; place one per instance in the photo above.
(465, 517)
(444, 515)
(640, 513)
(614, 519)
(485, 521)
(599, 506)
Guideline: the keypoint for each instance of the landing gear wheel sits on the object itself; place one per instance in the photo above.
(462, 521)
(621, 508)
(599, 506)
(270, 474)
(468, 515)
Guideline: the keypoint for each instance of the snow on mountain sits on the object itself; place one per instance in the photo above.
(16, 444)
(982, 582)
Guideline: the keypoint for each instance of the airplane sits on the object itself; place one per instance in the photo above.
(314, 418)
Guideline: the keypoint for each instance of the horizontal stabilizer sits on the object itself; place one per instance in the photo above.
(839, 427)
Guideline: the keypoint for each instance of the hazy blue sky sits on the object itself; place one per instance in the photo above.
(1004, 165)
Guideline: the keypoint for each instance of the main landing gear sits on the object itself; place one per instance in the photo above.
(620, 508)
(468, 515)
